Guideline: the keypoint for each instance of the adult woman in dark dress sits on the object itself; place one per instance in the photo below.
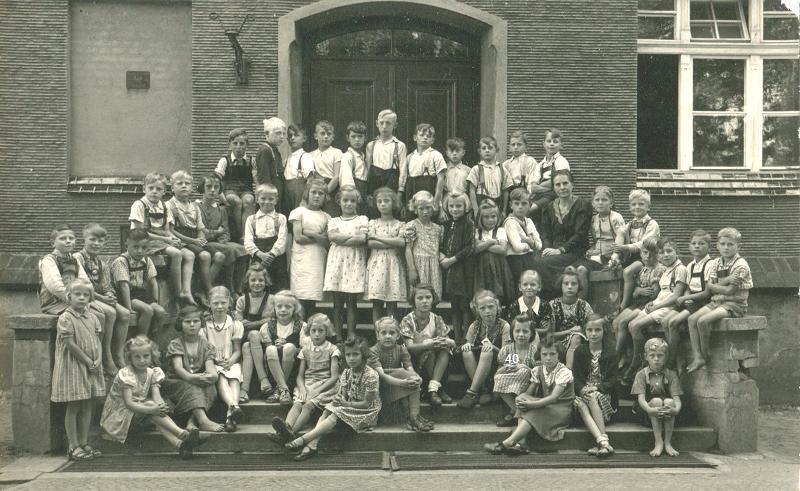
(565, 233)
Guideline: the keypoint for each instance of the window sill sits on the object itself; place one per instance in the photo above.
(104, 185)
(719, 183)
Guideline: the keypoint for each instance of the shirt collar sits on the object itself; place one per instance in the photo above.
(147, 203)
(261, 213)
(234, 159)
(524, 308)
(352, 150)
(488, 165)
(641, 220)
(427, 150)
(77, 314)
(321, 347)
(298, 152)
(393, 140)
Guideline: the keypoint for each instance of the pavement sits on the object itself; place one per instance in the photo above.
(775, 467)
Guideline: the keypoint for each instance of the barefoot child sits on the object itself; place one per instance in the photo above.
(455, 259)
(191, 371)
(485, 337)
(77, 371)
(386, 272)
(596, 379)
(237, 170)
(357, 401)
(134, 276)
(281, 337)
(529, 303)
(346, 266)
(545, 407)
(399, 381)
(423, 239)
(152, 215)
(316, 380)
(569, 314)
(491, 246)
(486, 179)
(265, 236)
(729, 284)
(515, 361)
(251, 312)
(658, 392)
(426, 337)
(299, 167)
(225, 335)
(135, 399)
(310, 247)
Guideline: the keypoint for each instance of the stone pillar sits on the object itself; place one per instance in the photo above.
(722, 395)
(37, 424)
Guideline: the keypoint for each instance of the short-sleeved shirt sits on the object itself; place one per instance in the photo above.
(543, 170)
(324, 161)
(674, 274)
(738, 268)
(382, 154)
(604, 231)
(664, 383)
(138, 213)
(499, 334)
(319, 360)
(487, 179)
(426, 163)
(559, 375)
(455, 179)
(299, 164)
(639, 229)
(353, 167)
(696, 269)
(516, 230)
(186, 214)
(136, 279)
(517, 170)
(415, 333)
(194, 361)
(222, 336)
(395, 357)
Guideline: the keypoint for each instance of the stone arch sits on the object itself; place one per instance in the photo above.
(492, 31)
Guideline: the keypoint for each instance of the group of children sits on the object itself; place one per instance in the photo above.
(380, 224)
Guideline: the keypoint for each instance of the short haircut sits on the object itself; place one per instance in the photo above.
(360, 344)
(425, 128)
(80, 284)
(141, 341)
(293, 130)
(138, 235)
(58, 229)
(185, 312)
(730, 233)
(266, 188)
(666, 241)
(319, 318)
(384, 191)
(455, 197)
(488, 140)
(650, 244)
(387, 320)
(487, 207)
(520, 194)
(180, 174)
(563, 172)
(387, 113)
(701, 234)
(554, 133)
(532, 272)
(324, 125)
(95, 230)
(357, 127)
(236, 133)
(348, 188)
(423, 287)
(420, 198)
(656, 344)
(254, 269)
(455, 144)
(549, 342)
(569, 271)
(641, 194)
(519, 135)
(155, 177)
(604, 190)
(273, 124)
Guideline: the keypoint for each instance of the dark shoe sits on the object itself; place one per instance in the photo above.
(469, 400)
(495, 448)
(507, 421)
(445, 396)
(284, 398)
(305, 454)
(230, 425)
(435, 399)
(516, 450)
(236, 414)
(276, 438)
(282, 429)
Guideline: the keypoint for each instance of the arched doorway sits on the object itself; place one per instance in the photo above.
(423, 71)
(450, 20)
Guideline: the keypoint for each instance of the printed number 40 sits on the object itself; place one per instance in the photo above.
(513, 358)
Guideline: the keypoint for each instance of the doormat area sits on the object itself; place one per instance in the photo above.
(230, 462)
(634, 460)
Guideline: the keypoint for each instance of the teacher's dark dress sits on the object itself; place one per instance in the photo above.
(570, 232)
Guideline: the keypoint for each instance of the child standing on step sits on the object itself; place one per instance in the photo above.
(299, 167)
(518, 168)
(426, 337)
(658, 392)
(545, 407)
(134, 276)
(596, 380)
(316, 380)
(346, 266)
(424, 169)
(281, 336)
(327, 165)
(265, 236)
(354, 165)
(269, 161)
(57, 270)
(78, 367)
(540, 184)
(486, 179)
(238, 174)
(385, 155)
(515, 361)
(569, 314)
(225, 335)
(455, 258)
(310, 247)
(523, 239)
(135, 399)
(485, 337)
(455, 178)
(251, 310)
(399, 381)
(386, 272)
(423, 239)
(729, 285)
(529, 303)
(491, 245)
(357, 401)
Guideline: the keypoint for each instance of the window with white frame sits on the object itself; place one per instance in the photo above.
(719, 84)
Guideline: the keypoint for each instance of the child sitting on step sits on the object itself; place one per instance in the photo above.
(529, 303)
(545, 407)
(399, 381)
(135, 399)
(658, 392)
(569, 314)
(251, 311)
(515, 361)
(484, 339)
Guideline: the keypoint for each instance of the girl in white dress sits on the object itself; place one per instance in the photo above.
(346, 267)
(225, 335)
(309, 250)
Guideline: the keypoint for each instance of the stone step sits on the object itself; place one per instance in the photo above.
(446, 437)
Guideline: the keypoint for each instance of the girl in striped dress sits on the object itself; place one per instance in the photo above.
(515, 361)
(77, 372)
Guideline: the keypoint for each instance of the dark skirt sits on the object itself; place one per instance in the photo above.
(186, 397)
(492, 273)
(459, 280)
(518, 264)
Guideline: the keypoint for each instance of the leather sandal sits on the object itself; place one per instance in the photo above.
(305, 454)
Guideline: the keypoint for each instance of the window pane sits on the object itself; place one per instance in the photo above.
(657, 27)
(780, 28)
(718, 85)
(781, 142)
(730, 30)
(656, 5)
(718, 141)
(726, 10)
(700, 11)
(354, 44)
(657, 112)
(775, 6)
(781, 85)
(412, 43)
(703, 31)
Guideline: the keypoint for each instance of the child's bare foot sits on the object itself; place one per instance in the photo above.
(695, 365)
(671, 451)
(657, 450)
(211, 426)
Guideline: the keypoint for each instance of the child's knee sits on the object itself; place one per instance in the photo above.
(656, 402)
(271, 353)
(187, 255)
(669, 403)
(253, 337)
(248, 200)
(158, 310)
(123, 314)
(145, 310)
(289, 350)
(219, 257)
(233, 200)
(173, 253)
(204, 257)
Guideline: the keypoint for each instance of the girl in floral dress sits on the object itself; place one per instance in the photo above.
(569, 314)
(357, 402)
(386, 272)
(515, 361)
(423, 238)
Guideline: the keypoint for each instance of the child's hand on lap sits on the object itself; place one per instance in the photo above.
(486, 346)
(466, 347)
(280, 342)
